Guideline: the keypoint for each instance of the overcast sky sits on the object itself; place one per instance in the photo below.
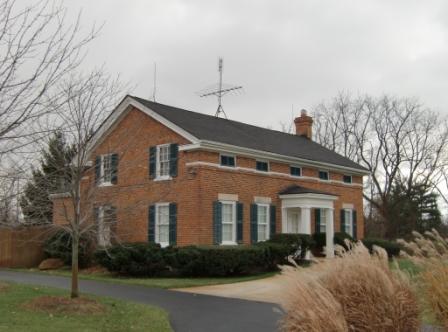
(284, 53)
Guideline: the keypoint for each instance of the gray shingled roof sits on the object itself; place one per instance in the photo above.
(207, 127)
(295, 189)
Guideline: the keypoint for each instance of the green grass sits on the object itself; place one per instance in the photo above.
(408, 266)
(166, 283)
(119, 315)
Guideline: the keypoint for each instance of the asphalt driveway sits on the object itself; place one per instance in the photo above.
(188, 312)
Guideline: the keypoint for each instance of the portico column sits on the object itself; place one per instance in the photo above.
(305, 224)
(305, 220)
(329, 229)
(284, 220)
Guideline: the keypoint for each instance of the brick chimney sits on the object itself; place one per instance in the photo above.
(304, 125)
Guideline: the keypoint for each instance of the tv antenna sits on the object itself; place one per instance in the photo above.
(219, 90)
(155, 83)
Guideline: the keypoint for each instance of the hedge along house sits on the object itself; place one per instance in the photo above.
(175, 177)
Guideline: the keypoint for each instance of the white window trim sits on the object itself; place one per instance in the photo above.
(156, 225)
(351, 178)
(101, 182)
(263, 161)
(227, 155)
(268, 231)
(233, 242)
(348, 222)
(301, 171)
(323, 170)
(158, 176)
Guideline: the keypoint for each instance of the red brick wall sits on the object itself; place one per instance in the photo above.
(194, 189)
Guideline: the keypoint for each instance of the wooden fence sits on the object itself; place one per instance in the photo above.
(22, 246)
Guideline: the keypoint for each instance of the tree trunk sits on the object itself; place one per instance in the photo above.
(75, 249)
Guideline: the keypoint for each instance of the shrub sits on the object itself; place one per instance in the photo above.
(340, 239)
(193, 261)
(392, 248)
(295, 242)
(356, 292)
(136, 259)
(59, 246)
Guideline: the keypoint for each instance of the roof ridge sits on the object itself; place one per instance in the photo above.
(221, 119)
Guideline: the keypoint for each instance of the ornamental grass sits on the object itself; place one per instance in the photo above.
(430, 253)
(356, 291)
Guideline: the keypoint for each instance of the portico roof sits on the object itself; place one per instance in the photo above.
(296, 189)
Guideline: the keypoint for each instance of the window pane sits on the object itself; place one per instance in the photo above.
(348, 222)
(227, 232)
(262, 166)
(107, 168)
(228, 161)
(227, 213)
(347, 178)
(163, 233)
(262, 232)
(323, 221)
(262, 214)
(163, 214)
(164, 160)
(323, 175)
(296, 171)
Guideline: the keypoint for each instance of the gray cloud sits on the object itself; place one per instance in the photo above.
(283, 52)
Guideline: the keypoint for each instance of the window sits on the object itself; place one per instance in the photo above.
(228, 161)
(262, 166)
(105, 169)
(348, 221)
(323, 175)
(295, 171)
(323, 221)
(228, 222)
(347, 179)
(263, 222)
(163, 161)
(162, 224)
(106, 216)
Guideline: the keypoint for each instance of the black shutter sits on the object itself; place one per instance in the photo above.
(239, 222)
(173, 224)
(342, 220)
(96, 215)
(97, 169)
(355, 227)
(174, 151)
(217, 222)
(114, 164)
(317, 221)
(152, 162)
(272, 223)
(253, 223)
(152, 223)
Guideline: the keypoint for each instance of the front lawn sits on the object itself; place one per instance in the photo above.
(166, 283)
(16, 313)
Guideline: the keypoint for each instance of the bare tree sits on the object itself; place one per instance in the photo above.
(88, 100)
(394, 138)
(38, 48)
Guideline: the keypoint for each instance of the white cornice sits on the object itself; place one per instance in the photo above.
(227, 148)
(270, 173)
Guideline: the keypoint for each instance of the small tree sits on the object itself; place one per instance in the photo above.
(89, 99)
(51, 177)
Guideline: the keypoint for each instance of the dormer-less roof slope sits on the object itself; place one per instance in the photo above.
(211, 128)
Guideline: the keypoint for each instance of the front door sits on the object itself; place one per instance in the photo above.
(293, 220)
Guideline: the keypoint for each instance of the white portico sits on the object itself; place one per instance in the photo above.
(297, 203)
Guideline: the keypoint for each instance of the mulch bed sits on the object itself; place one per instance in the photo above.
(65, 305)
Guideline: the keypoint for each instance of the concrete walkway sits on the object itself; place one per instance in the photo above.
(188, 312)
(264, 290)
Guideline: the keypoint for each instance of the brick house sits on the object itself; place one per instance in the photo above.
(177, 177)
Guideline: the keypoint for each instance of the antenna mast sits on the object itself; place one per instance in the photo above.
(155, 83)
(219, 90)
